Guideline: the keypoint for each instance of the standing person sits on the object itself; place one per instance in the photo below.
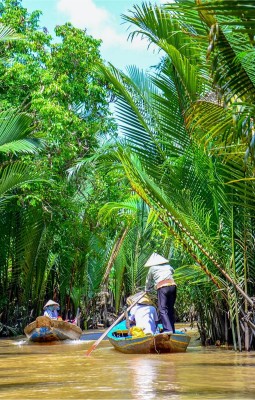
(51, 309)
(160, 276)
(144, 314)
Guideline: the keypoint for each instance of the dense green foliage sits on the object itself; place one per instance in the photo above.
(85, 212)
(49, 230)
(189, 150)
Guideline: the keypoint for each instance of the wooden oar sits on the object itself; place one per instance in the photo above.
(89, 351)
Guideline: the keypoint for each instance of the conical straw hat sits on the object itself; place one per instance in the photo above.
(155, 259)
(50, 303)
(145, 299)
(132, 299)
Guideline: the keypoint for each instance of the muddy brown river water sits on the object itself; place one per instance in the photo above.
(62, 371)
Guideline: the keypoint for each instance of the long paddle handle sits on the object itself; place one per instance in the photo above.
(94, 345)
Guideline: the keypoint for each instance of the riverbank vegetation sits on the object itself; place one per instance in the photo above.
(86, 196)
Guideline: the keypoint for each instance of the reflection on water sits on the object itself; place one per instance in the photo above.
(146, 382)
(62, 371)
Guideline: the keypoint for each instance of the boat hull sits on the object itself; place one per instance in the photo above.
(44, 329)
(148, 344)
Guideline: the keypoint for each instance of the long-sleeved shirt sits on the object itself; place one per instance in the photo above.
(53, 314)
(158, 273)
(145, 316)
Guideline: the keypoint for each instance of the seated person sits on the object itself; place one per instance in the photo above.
(144, 315)
(51, 309)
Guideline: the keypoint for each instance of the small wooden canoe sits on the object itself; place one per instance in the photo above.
(44, 329)
(159, 343)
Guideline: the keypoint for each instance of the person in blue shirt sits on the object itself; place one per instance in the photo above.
(51, 309)
(160, 277)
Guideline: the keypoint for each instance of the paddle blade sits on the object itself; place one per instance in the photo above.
(89, 351)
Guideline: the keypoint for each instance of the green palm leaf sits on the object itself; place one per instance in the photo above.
(7, 33)
(15, 175)
(15, 133)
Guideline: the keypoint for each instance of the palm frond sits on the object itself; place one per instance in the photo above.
(15, 133)
(7, 33)
(14, 175)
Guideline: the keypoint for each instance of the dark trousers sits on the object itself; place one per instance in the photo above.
(166, 300)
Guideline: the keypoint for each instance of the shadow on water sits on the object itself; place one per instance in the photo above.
(62, 371)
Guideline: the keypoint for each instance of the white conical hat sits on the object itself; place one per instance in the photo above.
(50, 303)
(155, 259)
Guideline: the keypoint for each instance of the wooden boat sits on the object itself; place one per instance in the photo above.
(44, 329)
(159, 343)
